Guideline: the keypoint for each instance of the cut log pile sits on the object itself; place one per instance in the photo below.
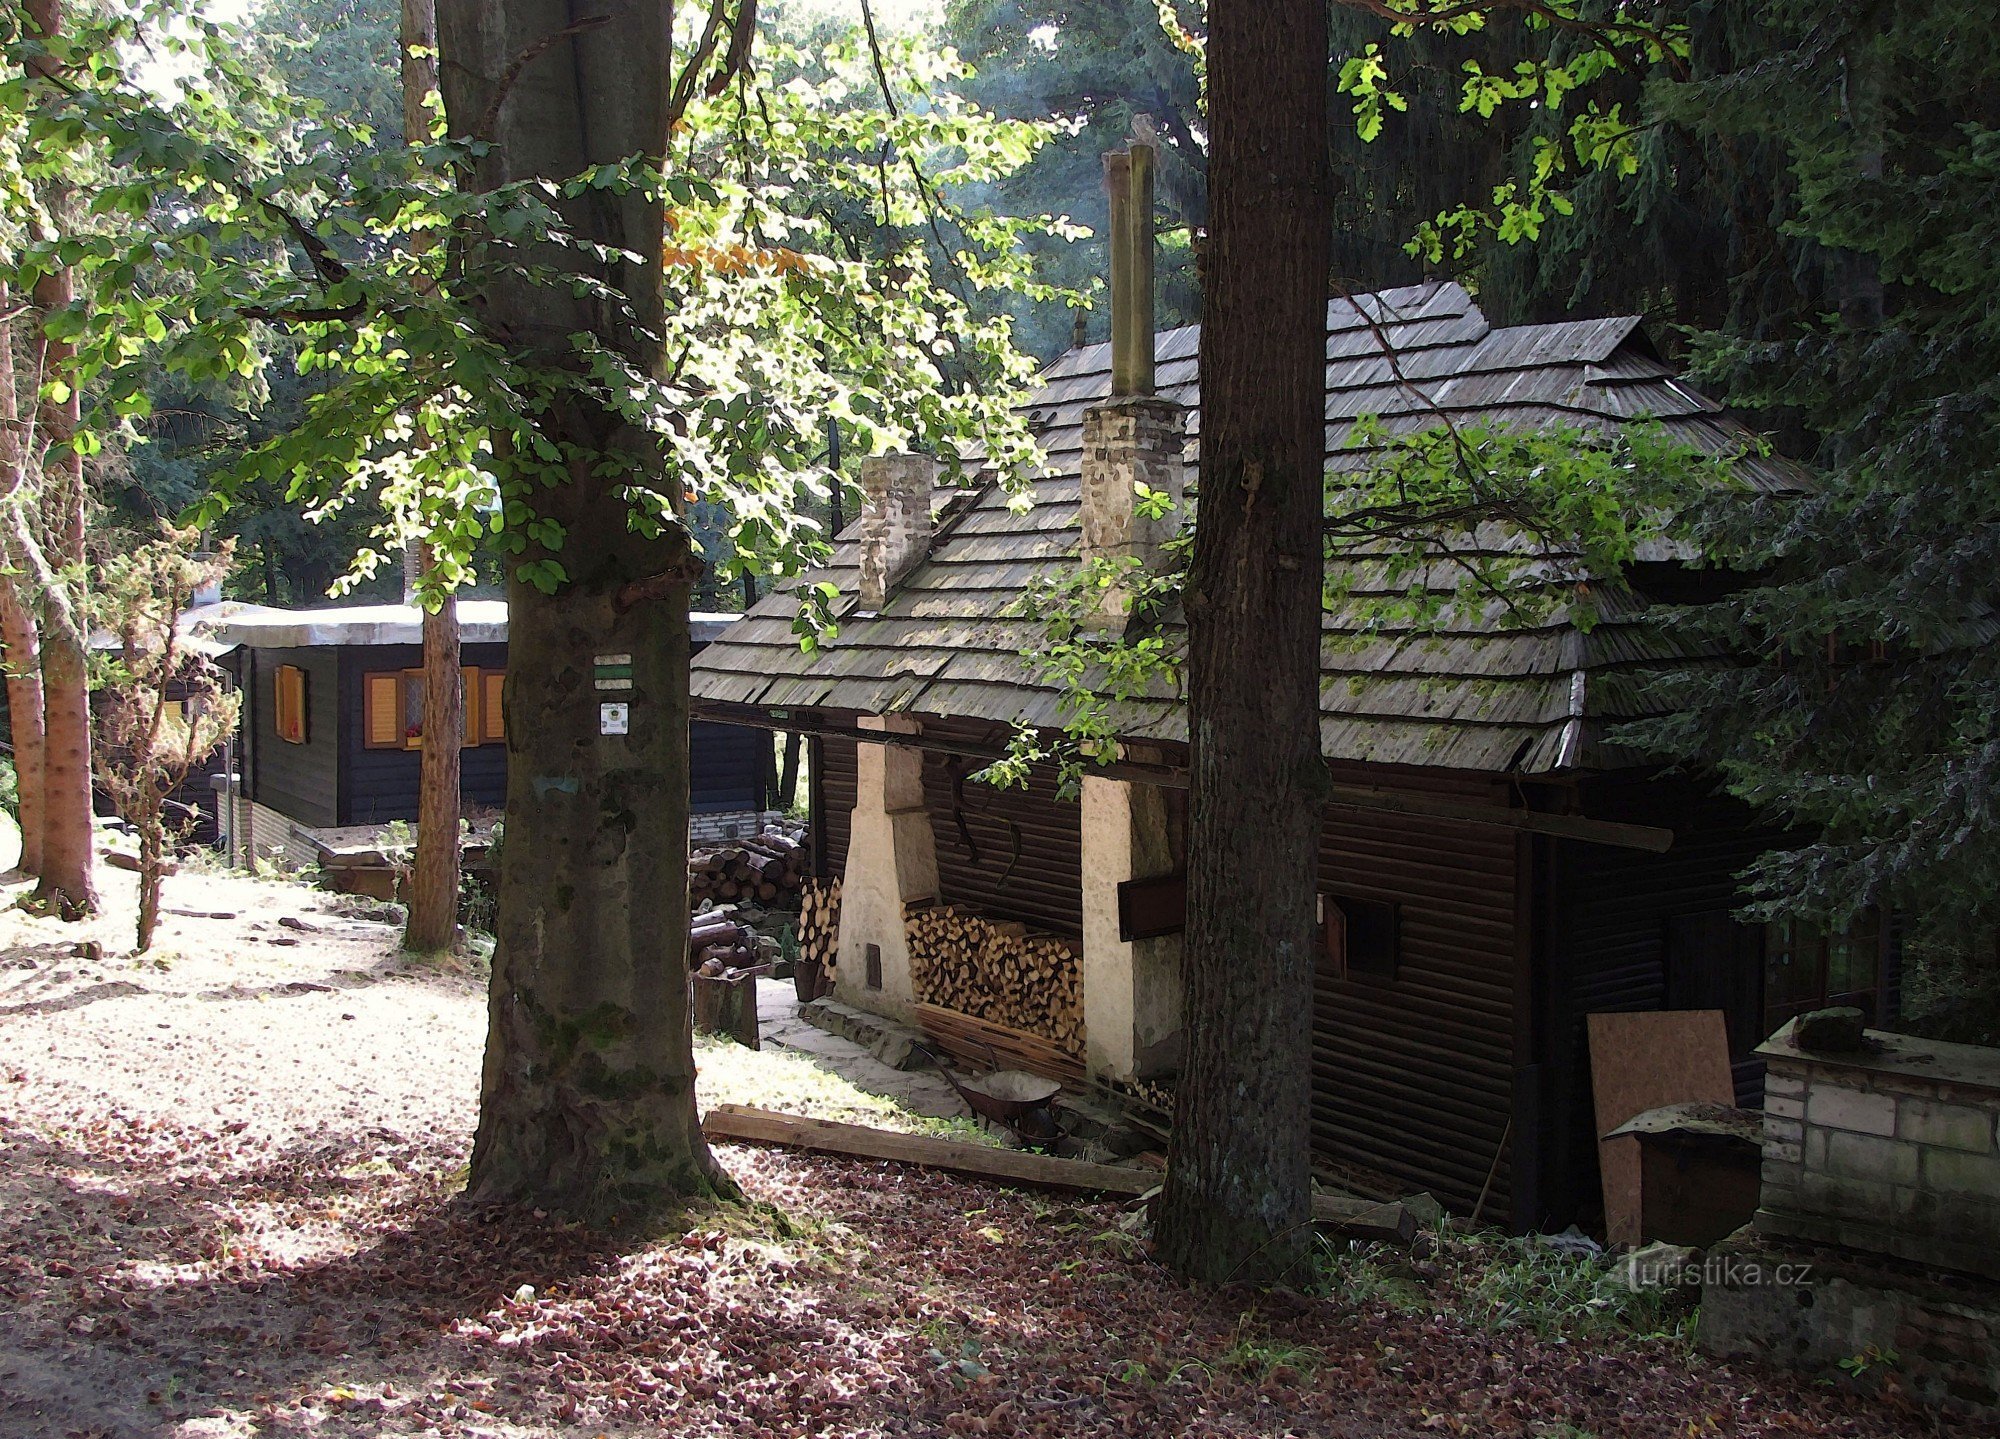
(718, 941)
(998, 972)
(766, 868)
(819, 923)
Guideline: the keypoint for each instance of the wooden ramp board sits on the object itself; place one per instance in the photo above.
(1358, 1218)
(1642, 1061)
(980, 1042)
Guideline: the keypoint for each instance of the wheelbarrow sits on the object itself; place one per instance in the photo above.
(1019, 1102)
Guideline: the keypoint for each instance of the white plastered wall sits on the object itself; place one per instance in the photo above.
(891, 860)
(1131, 988)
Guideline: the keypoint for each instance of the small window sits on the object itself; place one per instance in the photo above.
(290, 686)
(1360, 936)
(1804, 969)
(393, 707)
(872, 966)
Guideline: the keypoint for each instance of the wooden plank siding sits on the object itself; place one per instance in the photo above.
(377, 785)
(1412, 1076)
(1025, 859)
(726, 766)
(300, 780)
(834, 781)
(1614, 919)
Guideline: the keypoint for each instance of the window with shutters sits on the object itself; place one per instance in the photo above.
(393, 708)
(290, 709)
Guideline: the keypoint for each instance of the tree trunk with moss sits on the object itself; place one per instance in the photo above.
(587, 1098)
(1237, 1191)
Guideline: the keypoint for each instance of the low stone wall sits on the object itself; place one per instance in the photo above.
(1894, 1150)
(1845, 1318)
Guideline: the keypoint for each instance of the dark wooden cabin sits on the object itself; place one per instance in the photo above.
(330, 735)
(1499, 866)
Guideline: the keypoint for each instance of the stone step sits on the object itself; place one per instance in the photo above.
(892, 1043)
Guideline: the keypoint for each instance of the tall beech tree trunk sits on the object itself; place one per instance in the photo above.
(433, 921)
(19, 635)
(1237, 1191)
(587, 1098)
(67, 884)
(24, 712)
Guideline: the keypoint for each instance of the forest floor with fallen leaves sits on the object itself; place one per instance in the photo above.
(227, 1207)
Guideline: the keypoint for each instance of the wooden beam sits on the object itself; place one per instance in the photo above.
(1346, 796)
(1357, 1218)
(1566, 826)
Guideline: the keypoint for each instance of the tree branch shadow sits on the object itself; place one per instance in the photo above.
(141, 1292)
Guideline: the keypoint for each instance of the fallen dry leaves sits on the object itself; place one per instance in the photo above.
(341, 1290)
(163, 1275)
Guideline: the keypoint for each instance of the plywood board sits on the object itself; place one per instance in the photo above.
(1640, 1062)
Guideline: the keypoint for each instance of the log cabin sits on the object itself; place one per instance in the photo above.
(1494, 865)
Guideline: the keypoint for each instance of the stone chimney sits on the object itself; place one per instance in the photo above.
(1134, 438)
(896, 526)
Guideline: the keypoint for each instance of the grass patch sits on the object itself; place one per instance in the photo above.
(1495, 1282)
(1263, 1355)
(788, 1081)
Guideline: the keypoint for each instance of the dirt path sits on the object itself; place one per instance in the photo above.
(210, 1110)
(226, 1208)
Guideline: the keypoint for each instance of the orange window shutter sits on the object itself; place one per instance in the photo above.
(468, 698)
(382, 720)
(492, 715)
(290, 693)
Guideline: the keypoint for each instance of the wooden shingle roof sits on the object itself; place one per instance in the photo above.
(1476, 693)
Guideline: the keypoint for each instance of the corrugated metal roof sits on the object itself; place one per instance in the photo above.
(1480, 689)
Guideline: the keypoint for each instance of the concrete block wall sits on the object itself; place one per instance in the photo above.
(269, 835)
(726, 825)
(1895, 1151)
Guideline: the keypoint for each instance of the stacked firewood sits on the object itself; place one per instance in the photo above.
(819, 923)
(718, 941)
(999, 972)
(766, 868)
(1153, 1097)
